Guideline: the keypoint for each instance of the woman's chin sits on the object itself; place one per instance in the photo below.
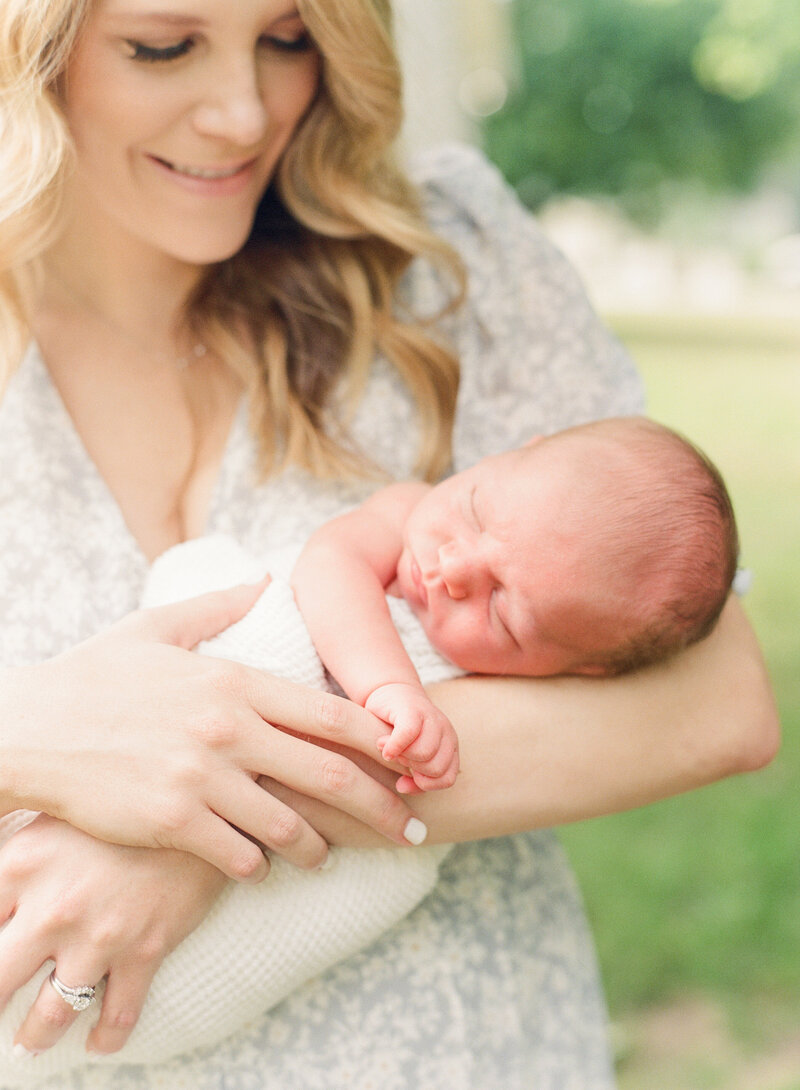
(211, 249)
(209, 255)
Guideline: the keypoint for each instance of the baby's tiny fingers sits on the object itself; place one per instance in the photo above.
(408, 728)
(442, 762)
(433, 751)
(126, 991)
(438, 782)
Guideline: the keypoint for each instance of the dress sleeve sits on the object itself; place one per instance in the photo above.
(534, 356)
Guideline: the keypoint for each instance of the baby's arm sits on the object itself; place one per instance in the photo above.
(340, 585)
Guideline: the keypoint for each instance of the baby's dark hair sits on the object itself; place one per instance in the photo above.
(666, 527)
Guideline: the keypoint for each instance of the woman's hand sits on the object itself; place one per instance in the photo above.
(135, 740)
(96, 910)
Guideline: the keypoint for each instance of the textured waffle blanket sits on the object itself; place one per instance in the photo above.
(258, 943)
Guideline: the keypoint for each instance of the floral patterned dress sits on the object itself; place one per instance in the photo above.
(491, 983)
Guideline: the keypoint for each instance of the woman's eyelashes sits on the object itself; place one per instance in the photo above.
(154, 54)
(301, 43)
(164, 54)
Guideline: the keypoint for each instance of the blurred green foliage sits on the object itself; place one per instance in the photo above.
(634, 98)
(699, 895)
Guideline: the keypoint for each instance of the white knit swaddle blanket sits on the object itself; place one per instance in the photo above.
(258, 943)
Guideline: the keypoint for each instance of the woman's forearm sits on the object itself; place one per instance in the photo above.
(550, 751)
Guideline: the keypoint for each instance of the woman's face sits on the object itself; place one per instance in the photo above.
(180, 111)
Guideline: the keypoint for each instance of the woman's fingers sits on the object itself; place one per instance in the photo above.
(333, 778)
(336, 826)
(185, 624)
(126, 990)
(275, 825)
(92, 909)
(307, 712)
(215, 839)
(20, 958)
(170, 742)
(8, 902)
(51, 1015)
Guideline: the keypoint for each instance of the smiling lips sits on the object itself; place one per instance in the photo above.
(213, 174)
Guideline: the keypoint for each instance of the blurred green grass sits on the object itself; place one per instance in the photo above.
(700, 895)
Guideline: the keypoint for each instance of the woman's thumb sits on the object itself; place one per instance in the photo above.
(186, 623)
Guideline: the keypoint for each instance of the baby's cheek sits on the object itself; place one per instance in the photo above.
(462, 640)
(437, 634)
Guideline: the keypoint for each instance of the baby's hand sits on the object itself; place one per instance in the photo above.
(422, 737)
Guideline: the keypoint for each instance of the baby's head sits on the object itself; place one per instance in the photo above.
(597, 550)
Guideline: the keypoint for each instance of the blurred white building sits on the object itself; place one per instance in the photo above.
(456, 56)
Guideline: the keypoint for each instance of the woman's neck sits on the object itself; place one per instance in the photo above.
(133, 288)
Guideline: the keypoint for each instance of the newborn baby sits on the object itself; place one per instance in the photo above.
(600, 549)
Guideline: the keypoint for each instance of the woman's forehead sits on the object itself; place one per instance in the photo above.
(198, 11)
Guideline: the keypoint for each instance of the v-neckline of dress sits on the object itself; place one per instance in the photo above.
(223, 482)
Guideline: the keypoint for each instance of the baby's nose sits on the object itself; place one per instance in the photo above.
(456, 569)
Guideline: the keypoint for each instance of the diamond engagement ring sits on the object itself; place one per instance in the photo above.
(78, 998)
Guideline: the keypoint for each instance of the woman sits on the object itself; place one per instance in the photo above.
(210, 210)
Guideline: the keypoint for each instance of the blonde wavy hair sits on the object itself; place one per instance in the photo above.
(313, 295)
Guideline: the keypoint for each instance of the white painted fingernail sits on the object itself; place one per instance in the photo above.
(23, 1053)
(415, 832)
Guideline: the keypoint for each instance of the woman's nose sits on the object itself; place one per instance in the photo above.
(234, 109)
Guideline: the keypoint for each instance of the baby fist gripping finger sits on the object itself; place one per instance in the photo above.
(404, 708)
(423, 737)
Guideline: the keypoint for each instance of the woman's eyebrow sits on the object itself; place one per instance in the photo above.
(163, 18)
(180, 19)
(292, 13)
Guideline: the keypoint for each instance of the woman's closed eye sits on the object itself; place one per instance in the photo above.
(297, 43)
(140, 51)
(155, 54)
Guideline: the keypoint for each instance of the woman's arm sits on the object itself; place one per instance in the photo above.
(542, 752)
(572, 748)
(537, 753)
